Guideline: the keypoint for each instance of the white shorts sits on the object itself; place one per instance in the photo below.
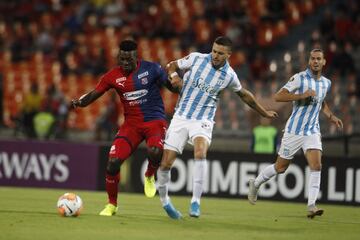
(181, 131)
(291, 143)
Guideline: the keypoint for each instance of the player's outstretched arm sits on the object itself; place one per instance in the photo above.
(85, 99)
(330, 115)
(250, 100)
(283, 95)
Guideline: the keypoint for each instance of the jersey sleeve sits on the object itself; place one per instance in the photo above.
(188, 61)
(235, 84)
(104, 83)
(293, 83)
(329, 86)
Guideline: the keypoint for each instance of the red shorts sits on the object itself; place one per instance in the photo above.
(131, 134)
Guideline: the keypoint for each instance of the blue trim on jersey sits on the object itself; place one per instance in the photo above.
(212, 111)
(314, 108)
(210, 76)
(304, 108)
(301, 89)
(313, 125)
(191, 89)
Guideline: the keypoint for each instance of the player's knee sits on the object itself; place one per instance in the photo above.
(113, 166)
(155, 155)
(315, 167)
(281, 168)
(165, 163)
(200, 153)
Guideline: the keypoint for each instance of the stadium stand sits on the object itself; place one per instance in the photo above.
(71, 43)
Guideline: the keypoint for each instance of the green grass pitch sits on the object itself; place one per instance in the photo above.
(28, 213)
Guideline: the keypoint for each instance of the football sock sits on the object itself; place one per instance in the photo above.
(163, 181)
(265, 175)
(111, 186)
(150, 171)
(314, 187)
(199, 174)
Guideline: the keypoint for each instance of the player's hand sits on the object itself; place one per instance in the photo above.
(339, 124)
(176, 82)
(309, 93)
(271, 114)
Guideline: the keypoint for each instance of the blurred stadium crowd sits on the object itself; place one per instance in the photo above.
(54, 50)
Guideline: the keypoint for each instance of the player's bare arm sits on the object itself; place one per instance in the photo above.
(86, 99)
(174, 78)
(283, 95)
(331, 116)
(171, 67)
(250, 100)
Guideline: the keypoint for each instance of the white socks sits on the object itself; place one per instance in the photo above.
(199, 174)
(265, 175)
(163, 182)
(314, 187)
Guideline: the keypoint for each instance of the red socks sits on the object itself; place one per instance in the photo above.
(111, 185)
(150, 170)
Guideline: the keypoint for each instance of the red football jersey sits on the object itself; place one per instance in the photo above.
(139, 92)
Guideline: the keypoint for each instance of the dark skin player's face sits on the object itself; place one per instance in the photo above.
(127, 60)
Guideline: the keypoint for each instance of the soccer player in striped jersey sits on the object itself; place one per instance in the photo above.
(205, 77)
(138, 83)
(307, 91)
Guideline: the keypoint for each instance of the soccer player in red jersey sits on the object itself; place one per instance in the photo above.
(138, 84)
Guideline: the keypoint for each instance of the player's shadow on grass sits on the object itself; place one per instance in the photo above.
(323, 219)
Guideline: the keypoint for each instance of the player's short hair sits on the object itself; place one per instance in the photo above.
(317, 50)
(225, 41)
(128, 45)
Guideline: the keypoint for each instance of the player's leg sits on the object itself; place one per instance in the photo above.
(201, 146)
(200, 136)
(154, 135)
(313, 152)
(123, 146)
(265, 175)
(290, 144)
(175, 140)
(164, 177)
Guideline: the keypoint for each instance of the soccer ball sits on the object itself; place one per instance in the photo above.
(69, 204)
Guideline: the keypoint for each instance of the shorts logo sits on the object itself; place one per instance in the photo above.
(286, 152)
(205, 125)
(112, 149)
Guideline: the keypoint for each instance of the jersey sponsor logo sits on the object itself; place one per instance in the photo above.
(135, 94)
(144, 81)
(137, 102)
(200, 84)
(144, 74)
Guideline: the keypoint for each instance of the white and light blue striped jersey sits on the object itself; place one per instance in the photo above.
(304, 119)
(202, 84)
